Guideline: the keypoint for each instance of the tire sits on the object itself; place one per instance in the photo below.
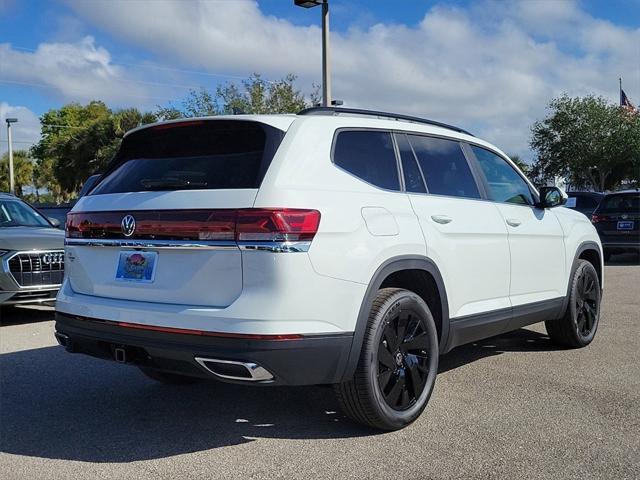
(578, 325)
(397, 366)
(168, 378)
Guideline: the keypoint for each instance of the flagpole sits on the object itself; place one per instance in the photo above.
(620, 80)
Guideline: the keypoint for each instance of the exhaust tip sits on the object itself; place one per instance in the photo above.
(64, 341)
(235, 370)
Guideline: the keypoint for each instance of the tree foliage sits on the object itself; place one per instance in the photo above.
(78, 141)
(22, 171)
(253, 95)
(587, 141)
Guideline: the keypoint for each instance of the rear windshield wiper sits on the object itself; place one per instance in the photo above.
(170, 182)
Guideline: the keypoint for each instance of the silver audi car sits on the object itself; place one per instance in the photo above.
(31, 254)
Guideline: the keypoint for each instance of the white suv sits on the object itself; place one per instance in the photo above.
(336, 246)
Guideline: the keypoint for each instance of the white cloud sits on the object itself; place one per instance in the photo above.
(25, 133)
(491, 68)
(78, 71)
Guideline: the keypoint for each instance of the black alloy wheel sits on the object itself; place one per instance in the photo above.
(397, 364)
(579, 323)
(587, 302)
(403, 356)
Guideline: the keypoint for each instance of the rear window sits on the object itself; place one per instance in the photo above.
(369, 155)
(628, 202)
(201, 154)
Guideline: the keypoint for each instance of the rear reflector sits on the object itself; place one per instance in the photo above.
(250, 224)
(185, 331)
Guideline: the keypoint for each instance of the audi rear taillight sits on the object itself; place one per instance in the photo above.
(595, 218)
(276, 225)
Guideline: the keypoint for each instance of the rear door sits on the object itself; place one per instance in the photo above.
(160, 225)
(465, 235)
(536, 239)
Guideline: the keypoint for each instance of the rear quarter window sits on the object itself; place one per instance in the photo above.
(201, 154)
(369, 155)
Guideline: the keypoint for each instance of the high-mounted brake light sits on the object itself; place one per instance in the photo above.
(167, 126)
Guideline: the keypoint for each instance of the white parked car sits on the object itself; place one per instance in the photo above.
(335, 246)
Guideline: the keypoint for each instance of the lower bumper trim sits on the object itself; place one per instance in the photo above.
(309, 360)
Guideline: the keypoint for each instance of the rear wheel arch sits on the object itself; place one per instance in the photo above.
(412, 272)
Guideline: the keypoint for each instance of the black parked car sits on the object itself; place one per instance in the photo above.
(584, 202)
(617, 220)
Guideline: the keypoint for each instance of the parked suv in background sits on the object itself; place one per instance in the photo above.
(31, 254)
(584, 202)
(335, 246)
(617, 220)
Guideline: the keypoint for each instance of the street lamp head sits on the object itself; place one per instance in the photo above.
(11, 120)
(308, 3)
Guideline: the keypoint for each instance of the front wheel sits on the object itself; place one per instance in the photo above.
(578, 326)
(398, 363)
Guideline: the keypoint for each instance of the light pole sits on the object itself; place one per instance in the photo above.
(326, 67)
(11, 182)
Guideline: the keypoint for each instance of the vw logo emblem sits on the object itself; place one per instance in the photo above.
(128, 225)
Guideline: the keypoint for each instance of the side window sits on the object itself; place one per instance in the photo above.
(412, 176)
(369, 155)
(444, 166)
(505, 184)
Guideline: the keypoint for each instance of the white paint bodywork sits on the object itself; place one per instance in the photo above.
(486, 263)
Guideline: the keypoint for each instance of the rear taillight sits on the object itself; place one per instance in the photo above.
(595, 218)
(276, 225)
(242, 225)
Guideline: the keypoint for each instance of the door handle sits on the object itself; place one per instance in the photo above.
(442, 219)
(514, 222)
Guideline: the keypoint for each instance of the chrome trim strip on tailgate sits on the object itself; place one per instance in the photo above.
(274, 247)
(159, 244)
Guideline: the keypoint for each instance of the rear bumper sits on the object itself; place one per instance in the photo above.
(309, 360)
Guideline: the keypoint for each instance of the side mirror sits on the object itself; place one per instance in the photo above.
(54, 221)
(552, 197)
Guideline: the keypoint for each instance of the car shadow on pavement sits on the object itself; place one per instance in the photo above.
(21, 315)
(623, 259)
(72, 407)
(521, 340)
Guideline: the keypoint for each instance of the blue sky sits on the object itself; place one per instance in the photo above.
(488, 65)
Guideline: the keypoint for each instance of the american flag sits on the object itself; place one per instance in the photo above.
(625, 102)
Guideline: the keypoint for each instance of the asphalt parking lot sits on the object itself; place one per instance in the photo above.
(514, 406)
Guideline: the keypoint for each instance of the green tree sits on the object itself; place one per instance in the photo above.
(253, 95)
(587, 141)
(80, 140)
(22, 171)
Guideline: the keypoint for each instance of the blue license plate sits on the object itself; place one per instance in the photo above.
(136, 266)
(625, 225)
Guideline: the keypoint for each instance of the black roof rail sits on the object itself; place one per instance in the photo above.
(374, 113)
